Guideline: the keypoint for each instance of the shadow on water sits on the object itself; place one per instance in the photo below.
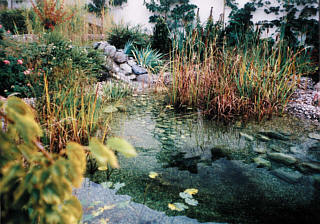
(222, 163)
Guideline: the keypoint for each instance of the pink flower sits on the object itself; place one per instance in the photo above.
(8, 31)
(0, 26)
(20, 62)
(27, 72)
(6, 62)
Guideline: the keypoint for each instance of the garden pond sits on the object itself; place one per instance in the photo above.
(244, 173)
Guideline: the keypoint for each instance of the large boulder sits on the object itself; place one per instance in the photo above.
(110, 51)
(138, 70)
(126, 68)
(282, 158)
(120, 57)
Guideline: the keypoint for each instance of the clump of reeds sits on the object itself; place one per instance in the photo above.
(226, 83)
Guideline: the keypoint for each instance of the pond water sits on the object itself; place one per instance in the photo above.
(244, 173)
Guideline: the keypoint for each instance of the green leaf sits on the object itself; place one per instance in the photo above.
(122, 146)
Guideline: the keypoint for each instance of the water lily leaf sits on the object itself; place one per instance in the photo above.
(153, 174)
(122, 146)
(177, 206)
(191, 191)
(185, 195)
(118, 185)
(191, 201)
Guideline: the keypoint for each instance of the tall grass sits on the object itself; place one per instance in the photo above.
(255, 81)
(71, 114)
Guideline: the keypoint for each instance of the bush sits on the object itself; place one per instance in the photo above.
(148, 58)
(160, 39)
(36, 185)
(15, 20)
(121, 34)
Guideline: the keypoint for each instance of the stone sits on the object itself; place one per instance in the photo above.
(131, 62)
(126, 68)
(110, 51)
(275, 148)
(246, 136)
(274, 135)
(145, 78)
(260, 150)
(121, 108)
(310, 166)
(102, 45)
(115, 68)
(120, 57)
(110, 109)
(314, 136)
(262, 138)
(138, 70)
(96, 45)
(317, 87)
(108, 64)
(294, 149)
(261, 162)
(287, 175)
(219, 151)
(282, 158)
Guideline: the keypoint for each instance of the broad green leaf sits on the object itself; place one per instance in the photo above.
(122, 146)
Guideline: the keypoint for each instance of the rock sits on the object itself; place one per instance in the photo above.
(121, 108)
(126, 68)
(314, 136)
(131, 62)
(274, 135)
(295, 150)
(275, 148)
(260, 150)
(131, 77)
(219, 151)
(317, 87)
(283, 158)
(96, 45)
(145, 78)
(110, 51)
(115, 68)
(246, 136)
(110, 109)
(108, 65)
(120, 57)
(309, 166)
(261, 162)
(138, 70)
(262, 138)
(102, 45)
(287, 175)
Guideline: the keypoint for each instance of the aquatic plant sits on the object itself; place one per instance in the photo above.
(148, 58)
(255, 81)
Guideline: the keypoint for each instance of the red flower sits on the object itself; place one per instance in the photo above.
(6, 62)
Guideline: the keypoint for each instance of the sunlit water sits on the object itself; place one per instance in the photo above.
(188, 151)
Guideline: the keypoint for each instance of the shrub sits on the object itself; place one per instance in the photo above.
(36, 185)
(160, 39)
(121, 34)
(148, 58)
(15, 20)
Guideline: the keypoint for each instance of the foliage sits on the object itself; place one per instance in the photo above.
(36, 185)
(161, 37)
(15, 20)
(97, 6)
(177, 13)
(148, 58)
(51, 12)
(121, 34)
(116, 91)
(13, 79)
(226, 83)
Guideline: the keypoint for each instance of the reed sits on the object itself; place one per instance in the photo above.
(225, 83)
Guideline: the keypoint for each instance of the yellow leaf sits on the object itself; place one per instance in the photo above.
(102, 154)
(153, 175)
(191, 191)
(173, 207)
(103, 168)
(122, 146)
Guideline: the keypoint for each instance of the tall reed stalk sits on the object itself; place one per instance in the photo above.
(230, 82)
